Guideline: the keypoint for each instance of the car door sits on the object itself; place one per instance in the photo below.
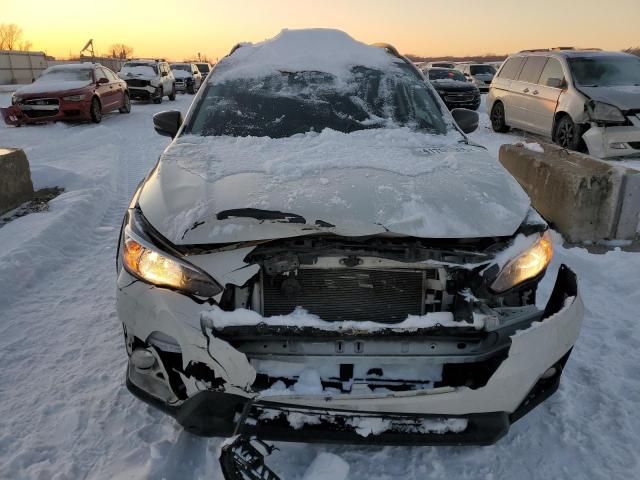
(116, 87)
(197, 76)
(522, 90)
(544, 97)
(167, 80)
(104, 90)
(506, 88)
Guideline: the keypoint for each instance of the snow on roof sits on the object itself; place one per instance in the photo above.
(317, 49)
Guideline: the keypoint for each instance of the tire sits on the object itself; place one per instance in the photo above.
(126, 104)
(191, 89)
(96, 110)
(158, 99)
(498, 122)
(172, 95)
(567, 134)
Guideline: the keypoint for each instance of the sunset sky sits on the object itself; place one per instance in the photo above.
(178, 29)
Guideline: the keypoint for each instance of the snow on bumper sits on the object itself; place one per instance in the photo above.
(218, 397)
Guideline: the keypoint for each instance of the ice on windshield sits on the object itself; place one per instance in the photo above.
(482, 70)
(287, 103)
(446, 75)
(181, 66)
(600, 71)
(65, 75)
(138, 69)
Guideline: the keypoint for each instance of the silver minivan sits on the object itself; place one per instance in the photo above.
(585, 100)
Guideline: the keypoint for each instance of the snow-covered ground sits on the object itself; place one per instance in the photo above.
(66, 414)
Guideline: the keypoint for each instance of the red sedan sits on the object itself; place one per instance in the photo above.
(82, 91)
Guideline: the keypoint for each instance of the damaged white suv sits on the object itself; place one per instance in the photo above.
(322, 254)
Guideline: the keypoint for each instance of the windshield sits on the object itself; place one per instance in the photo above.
(605, 71)
(66, 75)
(181, 66)
(446, 75)
(442, 65)
(482, 69)
(203, 67)
(138, 68)
(288, 103)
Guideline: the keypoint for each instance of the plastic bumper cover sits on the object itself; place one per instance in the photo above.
(529, 375)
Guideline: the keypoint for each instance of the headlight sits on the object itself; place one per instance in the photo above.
(144, 260)
(15, 99)
(74, 98)
(525, 266)
(603, 112)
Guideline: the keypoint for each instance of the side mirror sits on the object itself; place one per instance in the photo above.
(103, 80)
(466, 119)
(167, 123)
(164, 74)
(555, 82)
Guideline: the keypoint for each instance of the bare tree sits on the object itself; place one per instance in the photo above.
(120, 50)
(634, 50)
(11, 38)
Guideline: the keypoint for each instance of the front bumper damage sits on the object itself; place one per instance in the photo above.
(614, 141)
(209, 386)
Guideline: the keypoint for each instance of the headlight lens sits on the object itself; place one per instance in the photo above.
(15, 99)
(147, 262)
(603, 112)
(74, 98)
(525, 266)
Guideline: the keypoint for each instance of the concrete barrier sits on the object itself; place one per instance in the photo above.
(584, 198)
(16, 187)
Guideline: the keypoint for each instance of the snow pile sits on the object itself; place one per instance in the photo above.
(366, 426)
(532, 146)
(300, 318)
(327, 466)
(319, 50)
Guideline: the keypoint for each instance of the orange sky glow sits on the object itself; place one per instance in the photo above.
(180, 29)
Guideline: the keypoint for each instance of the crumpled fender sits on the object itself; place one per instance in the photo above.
(12, 115)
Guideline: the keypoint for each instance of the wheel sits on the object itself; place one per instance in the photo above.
(126, 104)
(498, 122)
(172, 95)
(158, 99)
(191, 89)
(96, 110)
(567, 134)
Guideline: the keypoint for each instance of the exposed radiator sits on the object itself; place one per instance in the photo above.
(348, 294)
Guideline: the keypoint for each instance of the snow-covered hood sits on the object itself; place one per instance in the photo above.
(52, 87)
(226, 189)
(623, 97)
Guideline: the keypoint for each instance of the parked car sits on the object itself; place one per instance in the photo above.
(453, 88)
(79, 91)
(149, 80)
(322, 254)
(204, 68)
(188, 77)
(582, 99)
(449, 65)
(479, 74)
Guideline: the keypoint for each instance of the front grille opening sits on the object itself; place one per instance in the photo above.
(345, 294)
